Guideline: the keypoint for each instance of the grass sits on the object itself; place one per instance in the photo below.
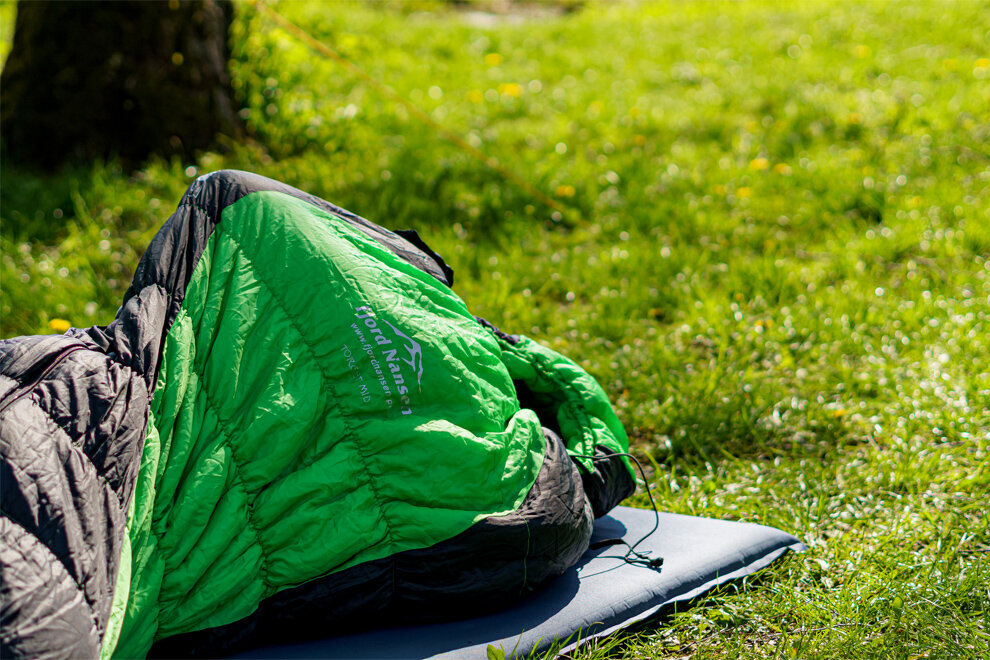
(776, 263)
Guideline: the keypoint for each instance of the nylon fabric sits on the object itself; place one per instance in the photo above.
(570, 397)
(71, 420)
(346, 384)
(488, 566)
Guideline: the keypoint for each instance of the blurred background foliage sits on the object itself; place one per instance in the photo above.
(778, 270)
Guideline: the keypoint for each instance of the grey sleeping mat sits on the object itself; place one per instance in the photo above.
(600, 595)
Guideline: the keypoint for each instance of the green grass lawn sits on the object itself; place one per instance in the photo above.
(776, 260)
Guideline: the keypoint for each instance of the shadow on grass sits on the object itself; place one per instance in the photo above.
(39, 208)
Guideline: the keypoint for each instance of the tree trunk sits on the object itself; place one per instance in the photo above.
(89, 80)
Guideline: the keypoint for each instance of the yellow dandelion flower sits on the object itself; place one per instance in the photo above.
(474, 96)
(861, 51)
(744, 192)
(634, 111)
(914, 202)
(720, 190)
(758, 164)
(565, 191)
(639, 140)
(949, 64)
(982, 63)
(841, 412)
(510, 89)
(59, 325)
(493, 59)
(782, 168)
(854, 118)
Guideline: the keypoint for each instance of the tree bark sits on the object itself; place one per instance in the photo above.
(87, 80)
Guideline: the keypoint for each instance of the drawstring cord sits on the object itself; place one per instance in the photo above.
(632, 556)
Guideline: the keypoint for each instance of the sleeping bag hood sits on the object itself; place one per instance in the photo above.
(292, 425)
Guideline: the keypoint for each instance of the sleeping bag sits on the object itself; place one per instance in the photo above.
(292, 426)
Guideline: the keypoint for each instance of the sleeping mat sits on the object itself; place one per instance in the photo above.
(601, 594)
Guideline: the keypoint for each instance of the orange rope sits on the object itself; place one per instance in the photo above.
(490, 162)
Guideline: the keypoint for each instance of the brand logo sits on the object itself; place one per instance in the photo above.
(415, 359)
(387, 359)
